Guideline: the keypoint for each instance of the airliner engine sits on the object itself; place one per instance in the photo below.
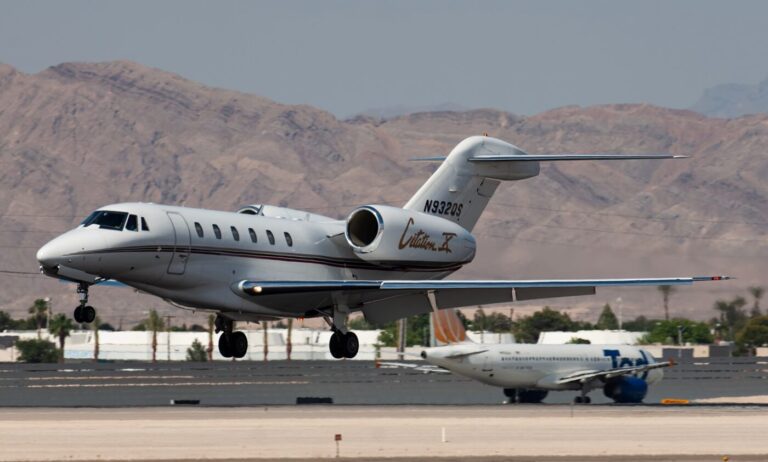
(626, 389)
(391, 236)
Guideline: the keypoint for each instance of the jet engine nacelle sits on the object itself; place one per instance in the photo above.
(626, 389)
(391, 236)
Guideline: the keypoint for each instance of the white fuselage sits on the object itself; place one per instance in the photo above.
(171, 259)
(522, 365)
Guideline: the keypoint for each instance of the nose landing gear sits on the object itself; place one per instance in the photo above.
(84, 313)
(231, 344)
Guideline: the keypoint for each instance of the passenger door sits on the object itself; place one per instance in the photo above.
(181, 246)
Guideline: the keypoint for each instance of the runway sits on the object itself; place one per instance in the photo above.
(271, 383)
(506, 432)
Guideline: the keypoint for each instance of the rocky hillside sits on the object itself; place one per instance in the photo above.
(77, 136)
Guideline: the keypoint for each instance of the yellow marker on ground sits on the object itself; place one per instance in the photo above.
(675, 401)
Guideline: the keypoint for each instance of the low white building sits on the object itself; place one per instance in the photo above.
(596, 337)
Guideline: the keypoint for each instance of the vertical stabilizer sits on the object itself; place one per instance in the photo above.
(447, 328)
(461, 187)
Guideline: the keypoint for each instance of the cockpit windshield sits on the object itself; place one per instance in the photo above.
(106, 219)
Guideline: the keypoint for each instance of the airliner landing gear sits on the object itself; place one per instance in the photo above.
(84, 313)
(344, 343)
(231, 344)
(582, 398)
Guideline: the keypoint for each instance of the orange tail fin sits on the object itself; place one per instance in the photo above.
(447, 328)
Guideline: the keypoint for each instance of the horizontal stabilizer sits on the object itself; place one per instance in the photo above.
(553, 157)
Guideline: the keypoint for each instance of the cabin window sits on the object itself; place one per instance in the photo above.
(199, 230)
(144, 226)
(217, 231)
(288, 239)
(235, 234)
(132, 224)
(271, 237)
(253, 235)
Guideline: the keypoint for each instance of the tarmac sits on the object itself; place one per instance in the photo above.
(247, 410)
(440, 432)
(258, 383)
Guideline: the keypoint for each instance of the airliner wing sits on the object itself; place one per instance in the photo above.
(587, 376)
(425, 368)
(388, 300)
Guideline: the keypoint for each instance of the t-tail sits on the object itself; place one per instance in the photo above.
(467, 178)
(446, 328)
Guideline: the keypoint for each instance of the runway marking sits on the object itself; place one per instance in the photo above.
(162, 384)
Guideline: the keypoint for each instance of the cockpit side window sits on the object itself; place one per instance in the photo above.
(132, 224)
(144, 226)
(217, 231)
(106, 219)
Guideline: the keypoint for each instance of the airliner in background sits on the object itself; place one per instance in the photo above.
(266, 263)
(528, 372)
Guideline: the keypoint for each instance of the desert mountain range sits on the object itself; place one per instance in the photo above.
(78, 136)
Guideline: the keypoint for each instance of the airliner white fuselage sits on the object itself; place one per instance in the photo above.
(528, 371)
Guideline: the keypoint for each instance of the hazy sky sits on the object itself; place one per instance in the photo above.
(349, 56)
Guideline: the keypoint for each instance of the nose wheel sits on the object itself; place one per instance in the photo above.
(232, 344)
(84, 313)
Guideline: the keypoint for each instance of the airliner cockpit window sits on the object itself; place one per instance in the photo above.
(132, 224)
(144, 226)
(106, 220)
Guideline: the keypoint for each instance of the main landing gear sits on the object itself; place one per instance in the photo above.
(84, 313)
(231, 344)
(582, 398)
(344, 343)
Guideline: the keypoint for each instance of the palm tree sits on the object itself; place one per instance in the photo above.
(154, 323)
(266, 340)
(61, 326)
(39, 310)
(756, 292)
(95, 326)
(666, 292)
(211, 327)
(288, 342)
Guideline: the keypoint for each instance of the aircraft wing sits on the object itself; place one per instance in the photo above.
(587, 376)
(388, 300)
(425, 368)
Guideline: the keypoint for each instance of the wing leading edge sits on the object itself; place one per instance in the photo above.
(388, 300)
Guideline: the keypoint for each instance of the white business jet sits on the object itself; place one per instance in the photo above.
(265, 262)
(528, 372)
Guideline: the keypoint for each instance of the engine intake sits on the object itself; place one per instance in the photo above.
(364, 226)
(626, 389)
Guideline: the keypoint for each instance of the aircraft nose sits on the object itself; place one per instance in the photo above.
(50, 254)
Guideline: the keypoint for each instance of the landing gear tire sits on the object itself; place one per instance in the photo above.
(582, 400)
(239, 344)
(344, 345)
(88, 314)
(336, 345)
(225, 346)
(79, 314)
(351, 345)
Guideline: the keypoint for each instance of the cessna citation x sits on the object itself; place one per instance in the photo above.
(265, 263)
(527, 372)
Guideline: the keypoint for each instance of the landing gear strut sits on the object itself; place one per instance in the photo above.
(231, 344)
(84, 313)
(582, 398)
(344, 343)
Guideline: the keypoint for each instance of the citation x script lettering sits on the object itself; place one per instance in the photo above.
(528, 372)
(386, 262)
